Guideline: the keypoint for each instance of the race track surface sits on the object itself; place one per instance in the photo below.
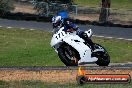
(116, 32)
(112, 66)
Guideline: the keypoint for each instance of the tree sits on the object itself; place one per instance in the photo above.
(6, 6)
(104, 14)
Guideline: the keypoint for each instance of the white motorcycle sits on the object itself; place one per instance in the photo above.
(73, 50)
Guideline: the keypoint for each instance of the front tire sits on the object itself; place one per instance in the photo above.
(66, 52)
(103, 56)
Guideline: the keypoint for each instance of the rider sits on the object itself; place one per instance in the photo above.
(62, 21)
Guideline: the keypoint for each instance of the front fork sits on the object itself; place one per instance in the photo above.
(72, 55)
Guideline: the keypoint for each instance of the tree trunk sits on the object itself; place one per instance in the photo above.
(104, 13)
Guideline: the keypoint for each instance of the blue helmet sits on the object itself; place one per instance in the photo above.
(63, 14)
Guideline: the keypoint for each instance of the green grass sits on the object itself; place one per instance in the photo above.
(119, 50)
(90, 3)
(39, 84)
(120, 4)
(26, 48)
(32, 48)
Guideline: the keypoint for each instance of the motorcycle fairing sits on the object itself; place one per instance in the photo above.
(78, 43)
(58, 37)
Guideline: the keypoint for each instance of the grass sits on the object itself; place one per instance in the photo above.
(119, 4)
(90, 3)
(39, 84)
(32, 48)
(119, 50)
(26, 48)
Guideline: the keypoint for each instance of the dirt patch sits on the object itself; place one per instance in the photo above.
(46, 76)
(24, 9)
(52, 76)
(84, 17)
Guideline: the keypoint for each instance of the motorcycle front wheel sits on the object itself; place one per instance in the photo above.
(103, 56)
(68, 55)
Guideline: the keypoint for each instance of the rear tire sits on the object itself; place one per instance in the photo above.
(64, 52)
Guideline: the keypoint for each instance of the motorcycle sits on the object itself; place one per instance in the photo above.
(73, 50)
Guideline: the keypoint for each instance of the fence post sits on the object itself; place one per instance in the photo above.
(105, 11)
(75, 8)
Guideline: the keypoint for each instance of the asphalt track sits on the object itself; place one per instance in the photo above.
(38, 68)
(109, 32)
(100, 31)
(112, 66)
